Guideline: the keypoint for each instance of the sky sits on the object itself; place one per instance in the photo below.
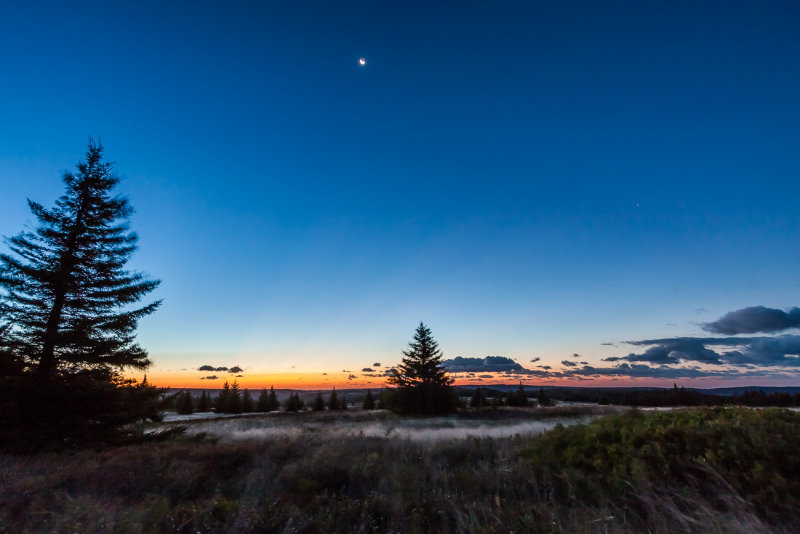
(543, 182)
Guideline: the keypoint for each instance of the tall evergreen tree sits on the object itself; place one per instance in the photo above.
(421, 385)
(70, 315)
(68, 294)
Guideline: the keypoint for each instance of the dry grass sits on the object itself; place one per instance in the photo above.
(324, 481)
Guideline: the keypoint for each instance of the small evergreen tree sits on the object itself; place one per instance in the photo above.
(294, 403)
(333, 402)
(318, 405)
(273, 400)
(478, 400)
(369, 402)
(420, 383)
(544, 398)
(204, 405)
(263, 405)
(247, 402)
(222, 403)
(185, 404)
(518, 398)
(235, 401)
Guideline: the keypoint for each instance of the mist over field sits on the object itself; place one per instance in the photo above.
(428, 430)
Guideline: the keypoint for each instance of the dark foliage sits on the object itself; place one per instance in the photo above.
(229, 399)
(247, 402)
(204, 404)
(267, 401)
(318, 404)
(420, 383)
(674, 396)
(294, 403)
(68, 321)
(752, 452)
(68, 291)
(369, 401)
(333, 401)
(72, 410)
(478, 399)
(518, 397)
(544, 399)
(185, 403)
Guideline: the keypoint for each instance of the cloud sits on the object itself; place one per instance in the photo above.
(672, 351)
(764, 350)
(212, 377)
(608, 344)
(491, 364)
(486, 376)
(754, 319)
(534, 360)
(568, 363)
(232, 370)
(576, 355)
(239, 376)
(376, 364)
(367, 370)
(544, 367)
(351, 377)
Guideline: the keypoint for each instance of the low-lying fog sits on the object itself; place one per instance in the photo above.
(268, 427)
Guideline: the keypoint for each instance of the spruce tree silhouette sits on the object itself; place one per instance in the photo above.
(369, 401)
(420, 383)
(69, 315)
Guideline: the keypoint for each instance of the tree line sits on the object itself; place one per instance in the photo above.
(675, 396)
(233, 400)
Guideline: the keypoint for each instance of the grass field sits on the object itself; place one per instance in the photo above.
(706, 470)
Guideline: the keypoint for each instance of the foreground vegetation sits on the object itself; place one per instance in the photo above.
(712, 470)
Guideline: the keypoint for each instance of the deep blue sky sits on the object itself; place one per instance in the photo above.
(530, 179)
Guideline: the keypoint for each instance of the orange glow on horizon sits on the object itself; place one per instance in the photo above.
(265, 380)
(322, 381)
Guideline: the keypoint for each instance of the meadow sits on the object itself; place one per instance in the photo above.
(561, 469)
